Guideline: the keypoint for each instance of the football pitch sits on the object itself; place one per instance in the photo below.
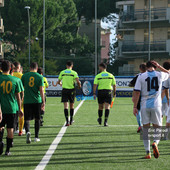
(85, 144)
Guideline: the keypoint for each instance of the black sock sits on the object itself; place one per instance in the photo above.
(66, 114)
(37, 128)
(1, 135)
(71, 114)
(100, 113)
(27, 126)
(9, 142)
(106, 114)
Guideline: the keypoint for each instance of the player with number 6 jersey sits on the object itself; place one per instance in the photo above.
(34, 100)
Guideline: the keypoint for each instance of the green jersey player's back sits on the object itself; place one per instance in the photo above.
(32, 82)
(9, 86)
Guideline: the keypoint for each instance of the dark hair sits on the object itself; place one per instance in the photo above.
(143, 67)
(34, 65)
(166, 65)
(40, 70)
(6, 66)
(16, 64)
(69, 63)
(12, 68)
(1, 60)
(103, 65)
(149, 64)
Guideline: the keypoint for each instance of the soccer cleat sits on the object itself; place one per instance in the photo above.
(139, 129)
(23, 131)
(1, 147)
(106, 124)
(67, 124)
(28, 138)
(7, 153)
(20, 134)
(148, 156)
(155, 150)
(16, 132)
(99, 121)
(36, 140)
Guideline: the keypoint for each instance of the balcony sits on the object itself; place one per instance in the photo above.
(157, 15)
(1, 25)
(1, 3)
(132, 47)
(123, 2)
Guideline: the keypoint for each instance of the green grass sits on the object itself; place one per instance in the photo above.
(86, 145)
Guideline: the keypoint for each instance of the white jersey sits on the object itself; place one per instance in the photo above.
(150, 86)
(166, 84)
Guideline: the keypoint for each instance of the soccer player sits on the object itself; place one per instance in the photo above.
(106, 90)
(149, 86)
(142, 68)
(40, 71)
(10, 87)
(67, 80)
(21, 119)
(33, 100)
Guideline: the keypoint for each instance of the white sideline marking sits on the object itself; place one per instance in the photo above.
(55, 143)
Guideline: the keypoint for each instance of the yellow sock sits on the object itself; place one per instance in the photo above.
(21, 123)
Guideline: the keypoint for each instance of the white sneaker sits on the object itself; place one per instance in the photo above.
(23, 131)
(36, 140)
(16, 132)
(28, 140)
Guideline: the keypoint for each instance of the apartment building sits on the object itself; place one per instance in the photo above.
(1, 31)
(133, 33)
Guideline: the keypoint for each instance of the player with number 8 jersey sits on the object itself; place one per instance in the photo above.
(33, 99)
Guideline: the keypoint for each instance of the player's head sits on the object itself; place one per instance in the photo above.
(150, 65)
(166, 65)
(17, 66)
(12, 69)
(34, 66)
(69, 64)
(142, 67)
(40, 70)
(102, 67)
(6, 66)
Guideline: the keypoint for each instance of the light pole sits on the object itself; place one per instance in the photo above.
(29, 32)
(95, 37)
(44, 37)
(150, 18)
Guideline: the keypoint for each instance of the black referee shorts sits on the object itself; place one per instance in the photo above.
(8, 119)
(32, 111)
(105, 96)
(68, 95)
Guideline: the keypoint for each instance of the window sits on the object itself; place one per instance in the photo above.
(168, 3)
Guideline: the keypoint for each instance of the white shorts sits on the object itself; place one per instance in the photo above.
(153, 116)
(168, 115)
(165, 109)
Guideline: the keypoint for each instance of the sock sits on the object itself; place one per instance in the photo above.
(66, 114)
(100, 113)
(146, 141)
(1, 135)
(37, 128)
(106, 114)
(138, 117)
(27, 126)
(9, 142)
(157, 136)
(71, 114)
(21, 123)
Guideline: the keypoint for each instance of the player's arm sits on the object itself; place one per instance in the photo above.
(42, 97)
(78, 83)
(136, 100)
(160, 67)
(59, 79)
(114, 90)
(167, 95)
(18, 96)
(94, 91)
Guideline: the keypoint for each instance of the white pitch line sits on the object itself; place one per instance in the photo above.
(45, 160)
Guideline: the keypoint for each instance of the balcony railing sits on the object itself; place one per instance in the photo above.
(143, 15)
(131, 46)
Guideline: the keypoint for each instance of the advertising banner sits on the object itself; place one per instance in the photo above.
(123, 90)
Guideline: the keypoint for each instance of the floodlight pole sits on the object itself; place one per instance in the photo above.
(149, 47)
(96, 37)
(44, 37)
